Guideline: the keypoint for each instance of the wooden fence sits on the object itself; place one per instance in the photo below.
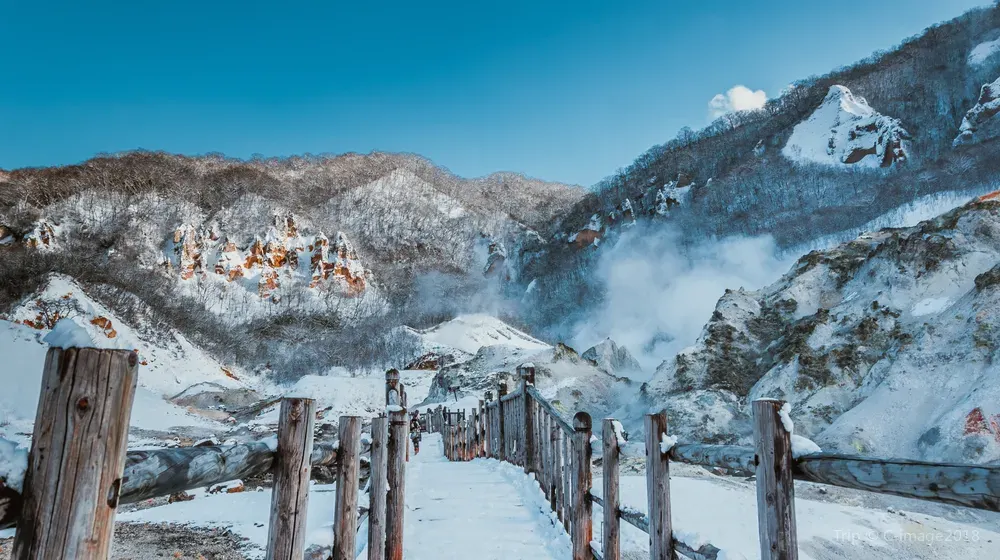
(79, 470)
(524, 429)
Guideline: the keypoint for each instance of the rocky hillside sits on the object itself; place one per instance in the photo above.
(826, 155)
(888, 343)
(246, 256)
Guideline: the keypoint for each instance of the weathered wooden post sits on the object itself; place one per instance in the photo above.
(501, 450)
(376, 506)
(557, 470)
(395, 466)
(661, 532)
(583, 530)
(345, 521)
(481, 437)
(396, 479)
(527, 450)
(775, 487)
(487, 427)
(77, 456)
(290, 495)
(568, 480)
(612, 525)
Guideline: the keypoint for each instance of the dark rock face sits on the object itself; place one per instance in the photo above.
(979, 124)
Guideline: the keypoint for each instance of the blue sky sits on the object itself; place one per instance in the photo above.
(562, 91)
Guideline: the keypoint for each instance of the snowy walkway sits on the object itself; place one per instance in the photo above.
(481, 509)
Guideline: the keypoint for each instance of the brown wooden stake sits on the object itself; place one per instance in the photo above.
(526, 450)
(376, 497)
(557, 470)
(661, 533)
(290, 495)
(775, 487)
(345, 521)
(583, 530)
(77, 454)
(396, 480)
(568, 480)
(612, 525)
(501, 423)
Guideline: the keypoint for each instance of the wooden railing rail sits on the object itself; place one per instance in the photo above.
(525, 429)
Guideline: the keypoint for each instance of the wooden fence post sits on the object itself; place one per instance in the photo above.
(487, 429)
(775, 487)
(612, 525)
(345, 521)
(568, 481)
(290, 495)
(583, 530)
(481, 448)
(396, 479)
(77, 454)
(376, 497)
(501, 429)
(661, 532)
(528, 444)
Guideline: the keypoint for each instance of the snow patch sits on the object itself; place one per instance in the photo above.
(67, 334)
(786, 417)
(13, 464)
(667, 443)
(930, 306)
(982, 52)
(802, 446)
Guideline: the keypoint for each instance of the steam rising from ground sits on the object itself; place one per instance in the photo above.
(661, 291)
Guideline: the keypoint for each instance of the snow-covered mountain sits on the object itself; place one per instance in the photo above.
(886, 344)
(845, 130)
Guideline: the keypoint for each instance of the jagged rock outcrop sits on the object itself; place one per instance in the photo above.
(590, 235)
(610, 357)
(845, 130)
(979, 123)
(42, 236)
(7, 236)
(495, 261)
(889, 343)
(269, 262)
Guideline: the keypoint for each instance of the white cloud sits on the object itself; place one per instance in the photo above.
(739, 98)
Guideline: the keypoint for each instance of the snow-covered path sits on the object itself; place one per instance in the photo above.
(480, 509)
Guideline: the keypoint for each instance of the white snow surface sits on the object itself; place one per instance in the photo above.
(722, 511)
(786, 417)
(983, 51)
(469, 333)
(167, 366)
(13, 464)
(802, 446)
(445, 513)
(667, 443)
(843, 123)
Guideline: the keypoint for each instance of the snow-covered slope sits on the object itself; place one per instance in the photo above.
(884, 345)
(169, 363)
(469, 333)
(845, 130)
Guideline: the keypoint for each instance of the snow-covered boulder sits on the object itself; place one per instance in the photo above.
(979, 124)
(846, 131)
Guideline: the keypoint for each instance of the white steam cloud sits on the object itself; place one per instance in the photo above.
(661, 291)
(738, 98)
